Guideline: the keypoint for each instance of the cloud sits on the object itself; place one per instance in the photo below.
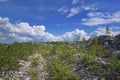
(100, 31)
(89, 7)
(75, 2)
(63, 9)
(98, 18)
(114, 30)
(3, 0)
(73, 11)
(23, 32)
(70, 36)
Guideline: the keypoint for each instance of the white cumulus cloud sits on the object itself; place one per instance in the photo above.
(70, 36)
(23, 32)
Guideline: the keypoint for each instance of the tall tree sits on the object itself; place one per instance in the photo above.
(107, 30)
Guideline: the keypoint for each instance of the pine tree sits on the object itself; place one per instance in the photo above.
(107, 30)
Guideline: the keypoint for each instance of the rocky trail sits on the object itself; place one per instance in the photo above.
(30, 69)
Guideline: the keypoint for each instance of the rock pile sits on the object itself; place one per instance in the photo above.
(110, 42)
(96, 70)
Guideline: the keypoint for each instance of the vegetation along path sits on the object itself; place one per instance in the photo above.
(31, 69)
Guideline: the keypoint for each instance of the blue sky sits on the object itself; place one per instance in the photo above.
(57, 20)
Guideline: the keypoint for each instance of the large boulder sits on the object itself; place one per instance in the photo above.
(110, 42)
(106, 41)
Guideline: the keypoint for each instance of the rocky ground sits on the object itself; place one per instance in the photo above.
(86, 62)
(28, 71)
(98, 69)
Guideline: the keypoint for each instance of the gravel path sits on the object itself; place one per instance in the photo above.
(27, 71)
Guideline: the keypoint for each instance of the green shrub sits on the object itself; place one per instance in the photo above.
(35, 62)
(60, 70)
(33, 74)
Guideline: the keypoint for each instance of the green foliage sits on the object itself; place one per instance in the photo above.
(10, 54)
(58, 56)
(89, 59)
(97, 50)
(35, 62)
(33, 74)
(107, 30)
(115, 65)
(60, 70)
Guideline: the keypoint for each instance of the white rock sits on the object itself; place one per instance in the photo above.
(27, 78)
(1, 79)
